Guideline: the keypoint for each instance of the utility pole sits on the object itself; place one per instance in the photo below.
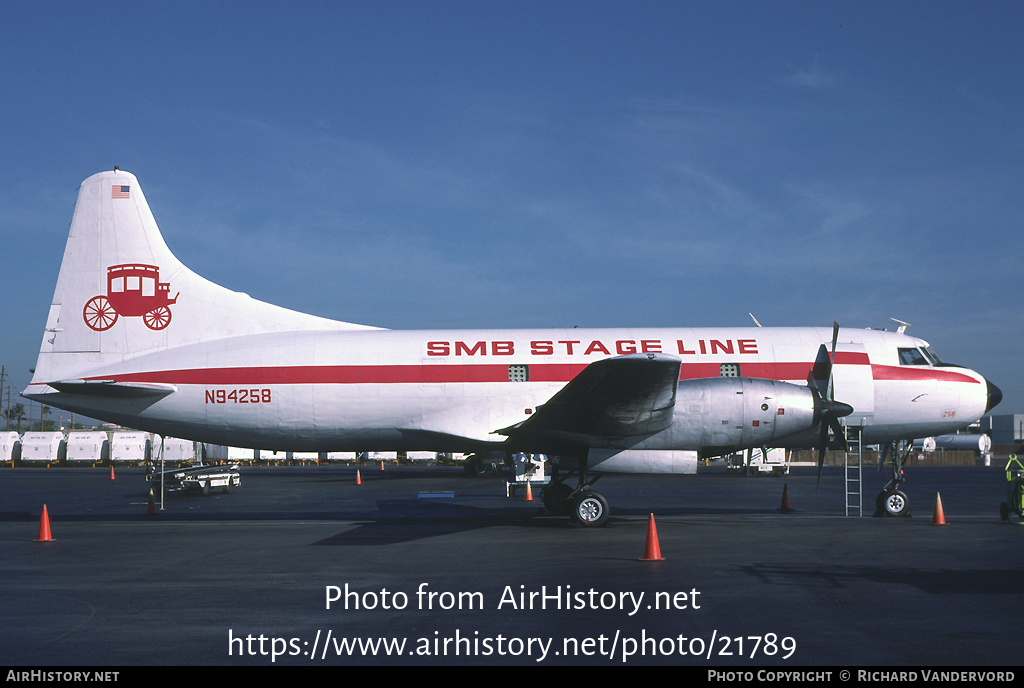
(3, 379)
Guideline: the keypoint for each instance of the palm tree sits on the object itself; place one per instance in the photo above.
(17, 412)
(44, 411)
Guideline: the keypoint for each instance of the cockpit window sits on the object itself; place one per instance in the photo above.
(912, 357)
(932, 356)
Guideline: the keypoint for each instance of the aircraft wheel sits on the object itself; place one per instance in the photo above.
(896, 503)
(476, 468)
(556, 499)
(590, 509)
(1017, 498)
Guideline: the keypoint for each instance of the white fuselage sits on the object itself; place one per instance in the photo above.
(450, 390)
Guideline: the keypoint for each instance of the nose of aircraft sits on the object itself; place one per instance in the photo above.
(995, 395)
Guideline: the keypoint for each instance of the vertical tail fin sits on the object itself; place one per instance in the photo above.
(122, 293)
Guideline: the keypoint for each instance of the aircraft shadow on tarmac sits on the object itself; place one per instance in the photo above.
(931, 581)
(406, 520)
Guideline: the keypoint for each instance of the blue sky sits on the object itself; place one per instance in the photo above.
(534, 164)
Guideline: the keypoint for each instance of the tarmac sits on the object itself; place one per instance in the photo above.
(302, 566)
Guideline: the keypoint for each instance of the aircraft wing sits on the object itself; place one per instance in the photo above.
(611, 400)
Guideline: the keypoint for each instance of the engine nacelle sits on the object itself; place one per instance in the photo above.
(723, 415)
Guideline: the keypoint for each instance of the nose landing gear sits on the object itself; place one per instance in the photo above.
(892, 501)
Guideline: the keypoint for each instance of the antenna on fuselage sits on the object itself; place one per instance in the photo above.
(903, 325)
(755, 320)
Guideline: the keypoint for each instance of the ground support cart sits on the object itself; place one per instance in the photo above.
(529, 470)
(1014, 504)
(199, 479)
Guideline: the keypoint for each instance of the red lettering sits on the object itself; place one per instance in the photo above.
(748, 346)
(682, 347)
(502, 348)
(650, 346)
(724, 347)
(625, 346)
(478, 348)
(596, 346)
(568, 345)
(702, 349)
(541, 348)
(437, 349)
(238, 396)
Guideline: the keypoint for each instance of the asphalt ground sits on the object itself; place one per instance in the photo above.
(427, 566)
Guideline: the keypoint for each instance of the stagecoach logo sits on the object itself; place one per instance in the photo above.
(133, 289)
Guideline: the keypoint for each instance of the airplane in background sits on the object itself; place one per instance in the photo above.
(214, 365)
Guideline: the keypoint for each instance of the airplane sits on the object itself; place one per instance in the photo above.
(214, 365)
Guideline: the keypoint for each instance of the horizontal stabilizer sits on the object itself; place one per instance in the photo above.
(612, 399)
(114, 388)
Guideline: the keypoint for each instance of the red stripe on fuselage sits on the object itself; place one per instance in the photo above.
(919, 373)
(489, 372)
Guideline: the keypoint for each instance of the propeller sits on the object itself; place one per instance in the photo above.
(827, 411)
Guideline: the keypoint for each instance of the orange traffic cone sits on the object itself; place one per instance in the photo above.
(151, 507)
(938, 518)
(111, 472)
(652, 551)
(785, 507)
(382, 464)
(359, 480)
(44, 527)
(529, 492)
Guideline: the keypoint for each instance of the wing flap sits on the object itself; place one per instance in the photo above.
(614, 399)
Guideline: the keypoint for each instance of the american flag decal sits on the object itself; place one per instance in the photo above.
(120, 191)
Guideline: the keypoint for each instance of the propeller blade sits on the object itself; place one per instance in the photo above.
(822, 447)
(827, 411)
(832, 361)
(827, 414)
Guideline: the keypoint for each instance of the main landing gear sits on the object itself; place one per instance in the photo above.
(585, 507)
(892, 501)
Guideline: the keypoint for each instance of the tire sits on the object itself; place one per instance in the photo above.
(896, 503)
(590, 509)
(1017, 498)
(476, 468)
